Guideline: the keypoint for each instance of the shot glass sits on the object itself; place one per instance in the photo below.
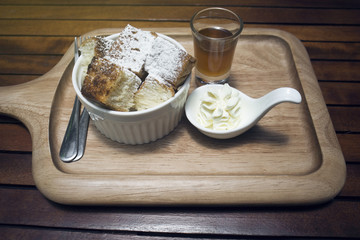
(215, 32)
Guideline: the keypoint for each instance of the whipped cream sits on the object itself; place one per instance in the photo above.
(220, 108)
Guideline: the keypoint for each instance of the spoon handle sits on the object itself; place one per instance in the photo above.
(277, 96)
(69, 146)
(83, 129)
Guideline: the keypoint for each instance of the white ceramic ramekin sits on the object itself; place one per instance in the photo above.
(136, 127)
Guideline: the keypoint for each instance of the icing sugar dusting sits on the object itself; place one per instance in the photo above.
(103, 46)
(164, 60)
(131, 48)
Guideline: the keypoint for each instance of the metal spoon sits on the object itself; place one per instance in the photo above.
(73, 145)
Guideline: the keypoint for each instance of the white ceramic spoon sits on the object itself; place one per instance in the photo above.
(252, 110)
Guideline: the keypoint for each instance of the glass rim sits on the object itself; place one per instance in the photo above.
(235, 35)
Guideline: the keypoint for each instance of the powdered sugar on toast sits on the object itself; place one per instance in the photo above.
(161, 65)
(130, 49)
(164, 60)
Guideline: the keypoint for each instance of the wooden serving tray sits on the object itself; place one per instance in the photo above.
(291, 156)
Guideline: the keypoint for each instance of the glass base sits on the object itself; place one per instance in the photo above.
(200, 82)
(201, 79)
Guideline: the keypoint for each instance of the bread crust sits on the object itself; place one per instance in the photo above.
(115, 69)
(110, 85)
(152, 92)
(130, 49)
(169, 62)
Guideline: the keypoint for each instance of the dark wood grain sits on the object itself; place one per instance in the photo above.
(343, 93)
(214, 220)
(25, 64)
(352, 186)
(16, 169)
(14, 137)
(350, 146)
(345, 119)
(56, 45)
(8, 79)
(126, 12)
(337, 70)
(24, 233)
(33, 37)
(333, 50)
(269, 3)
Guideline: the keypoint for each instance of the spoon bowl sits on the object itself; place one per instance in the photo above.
(251, 109)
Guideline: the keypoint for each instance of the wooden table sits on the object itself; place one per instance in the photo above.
(35, 35)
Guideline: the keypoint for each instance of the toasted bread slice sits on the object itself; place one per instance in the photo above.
(152, 92)
(130, 49)
(93, 47)
(169, 62)
(113, 70)
(110, 85)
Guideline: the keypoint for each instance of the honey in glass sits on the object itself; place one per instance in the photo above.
(214, 57)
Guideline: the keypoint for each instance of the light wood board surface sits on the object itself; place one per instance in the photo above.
(292, 156)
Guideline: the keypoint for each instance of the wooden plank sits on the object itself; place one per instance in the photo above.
(34, 45)
(38, 233)
(316, 32)
(333, 50)
(296, 15)
(352, 186)
(8, 80)
(169, 13)
(27, 64)
(345, 119)
(350, 147)
(71, 27)
(40, 64)
(100, 12)
(337, 70)
(315, 221)
(75, 28)
(263, 3)
(14, 137)
(16, 169)
(58, 45)
(341, 93)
